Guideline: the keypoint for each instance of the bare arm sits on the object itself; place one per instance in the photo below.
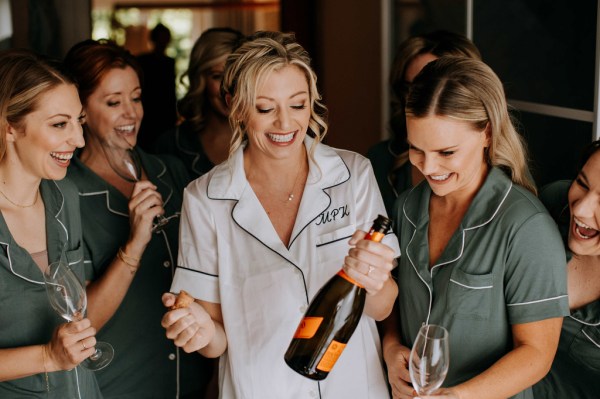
(71, 344)
(106, 293)
(196, 328)
(528, 362)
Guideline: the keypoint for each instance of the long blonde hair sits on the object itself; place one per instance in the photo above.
(468, 90)
(248, 67)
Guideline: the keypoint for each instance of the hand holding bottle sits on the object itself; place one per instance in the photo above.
(369, 262)
(191, 328)
(335, 311)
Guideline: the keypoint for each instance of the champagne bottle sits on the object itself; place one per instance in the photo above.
(330, 320)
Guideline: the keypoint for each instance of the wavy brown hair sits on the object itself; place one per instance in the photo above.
(213, 44)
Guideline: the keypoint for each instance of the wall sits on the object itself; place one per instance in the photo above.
(50, 27)
(349, 52)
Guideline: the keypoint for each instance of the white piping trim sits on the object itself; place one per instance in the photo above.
(178, 353)
(10, 265)
(77, 381)
(106, 193)
(495, 212)
(450, 261)
(420, 278)
(462, 245)
(471, 287)
(590, 338)
(585, 322)
(537, 301)
(196, 155)
(404, 209)
(62, 204)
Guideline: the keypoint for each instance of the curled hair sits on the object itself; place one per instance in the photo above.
(90, 60)
(211, 46)
(468, 90)
(247, 69)
(24, 78)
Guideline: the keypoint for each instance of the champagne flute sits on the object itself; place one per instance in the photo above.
(68, 298)
(429, 359)
(127, 164)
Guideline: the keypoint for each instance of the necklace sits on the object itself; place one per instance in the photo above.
(19, 205)
(291, 195)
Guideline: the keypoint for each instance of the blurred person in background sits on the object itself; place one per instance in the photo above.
(202, 140)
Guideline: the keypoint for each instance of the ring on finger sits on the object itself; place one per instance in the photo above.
(370, 270)
(83, 344)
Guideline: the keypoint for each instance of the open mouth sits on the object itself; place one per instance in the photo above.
(126, 129)
(62, 157)
(583, 230)
(281, 138)
(440, 178)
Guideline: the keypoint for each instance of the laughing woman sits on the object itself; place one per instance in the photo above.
(575, 206)
(40, 128)
(480, 254)
(261, 233)
(128, 264)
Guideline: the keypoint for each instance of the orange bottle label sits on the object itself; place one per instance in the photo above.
(374, 236)
(343, 275)
(331, 356)
(308, 327)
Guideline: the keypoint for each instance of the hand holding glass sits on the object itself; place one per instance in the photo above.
(127, 164)
(67, 296)
(429, 359)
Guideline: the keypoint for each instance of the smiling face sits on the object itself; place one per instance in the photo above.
(114, 110)
(277, 126)
(45, 142)
(449, 153)
(584, 204)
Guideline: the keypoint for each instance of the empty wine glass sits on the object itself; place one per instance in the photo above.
(68, 298)
(429, 359)
(127, 164)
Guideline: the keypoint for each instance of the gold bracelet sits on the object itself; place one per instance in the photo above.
(132, 267)
(130, 258)
(45, 368)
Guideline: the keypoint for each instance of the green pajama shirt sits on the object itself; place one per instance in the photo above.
(575, 372)
(504, 265)
(26, 317)
(147, 365)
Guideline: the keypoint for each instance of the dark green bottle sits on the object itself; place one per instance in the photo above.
(330, 320)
